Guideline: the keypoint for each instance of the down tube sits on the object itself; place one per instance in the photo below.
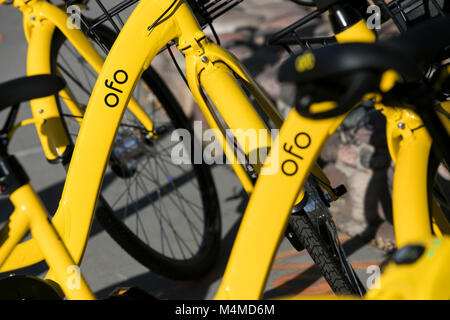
(133, 50)
(292, 155)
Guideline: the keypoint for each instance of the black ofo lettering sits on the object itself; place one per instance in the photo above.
(111, 86)
(302, 140)
(288, 171)
(111, 100)
(291, 152)
(120, 76)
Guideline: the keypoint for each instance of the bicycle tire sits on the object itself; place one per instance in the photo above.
(185, 268)
(328, 264)
(311, 231)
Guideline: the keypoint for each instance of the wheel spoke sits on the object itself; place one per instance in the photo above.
(165, 199)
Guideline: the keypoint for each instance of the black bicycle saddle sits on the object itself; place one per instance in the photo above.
(408, 54)
(23, 89)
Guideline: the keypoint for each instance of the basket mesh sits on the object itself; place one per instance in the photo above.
(403, 13)
(115, 12)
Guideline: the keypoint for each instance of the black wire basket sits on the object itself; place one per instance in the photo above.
(403, 13)
(407, 13)
(208, 10)
(114, 13)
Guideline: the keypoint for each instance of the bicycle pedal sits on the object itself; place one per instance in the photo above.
(129, 293)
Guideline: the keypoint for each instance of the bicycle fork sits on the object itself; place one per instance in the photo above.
(210, 72)
(215, 75)
(41, 20)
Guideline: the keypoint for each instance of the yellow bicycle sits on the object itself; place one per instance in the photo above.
(330, 82)
(212, 74)
(205, 60)
(163, 214)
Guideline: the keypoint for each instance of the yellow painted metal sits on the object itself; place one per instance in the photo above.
(295, 151)
(99, 127)
(30, 214)
(97, 133)
(26, 253)
(426, 279)
(356, 33)
(441, 224)
(22, 123)
(189, 27)
(409, 145)
(69, 101)
(410, 201)
(219, 54)
(444, 117)
(66, 272)
(247, 269)
(389, 79)
(237, 111)
(262, 98)
(40, 19)
(12, 233)
(213, 64)
(88, 52)
(322, 107)
(74, 215)
(49, 127)
(245, 275)
(359, 32)
(194, 84)
(409, 149)
(393, 136)
(48, 13)
(209, 60)
(132, 53)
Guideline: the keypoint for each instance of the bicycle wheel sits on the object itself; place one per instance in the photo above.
(313, 228)
(165, 216)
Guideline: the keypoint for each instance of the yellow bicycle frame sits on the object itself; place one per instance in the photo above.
(209, 71)
(40, 20)
(206, 64)
(32, 216)
(208, 67)
(427, 278)
(270, 205)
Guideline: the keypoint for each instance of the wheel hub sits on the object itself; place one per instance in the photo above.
(129, 147)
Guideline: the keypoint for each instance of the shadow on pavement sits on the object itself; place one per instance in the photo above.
(308, 277)
(163, 288)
